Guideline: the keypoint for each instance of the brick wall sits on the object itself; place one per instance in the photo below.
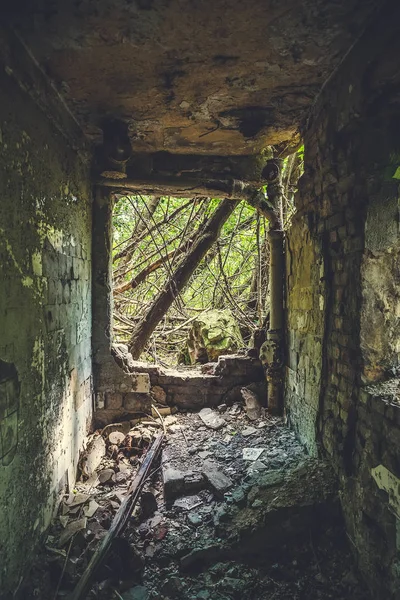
(45, 306)
(343, 296)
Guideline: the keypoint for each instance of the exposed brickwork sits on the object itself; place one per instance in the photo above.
(45, 311)
(343, 296)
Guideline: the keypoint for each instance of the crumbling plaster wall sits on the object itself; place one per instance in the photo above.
(343, 296)
(45, 307)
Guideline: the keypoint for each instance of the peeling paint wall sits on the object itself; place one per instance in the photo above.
(45, 314)
(343, 297)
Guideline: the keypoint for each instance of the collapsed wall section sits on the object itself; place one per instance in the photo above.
(343, 296)
(45, 306)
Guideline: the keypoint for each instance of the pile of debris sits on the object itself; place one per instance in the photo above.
(235, 509)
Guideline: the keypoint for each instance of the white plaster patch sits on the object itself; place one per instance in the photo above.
(388, 482)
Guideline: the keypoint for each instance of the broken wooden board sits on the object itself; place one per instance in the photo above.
(119, 522)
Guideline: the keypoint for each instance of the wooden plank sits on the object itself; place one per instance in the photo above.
(119, 522)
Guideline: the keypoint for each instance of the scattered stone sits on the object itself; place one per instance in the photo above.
(218, 482)
(105, 476)
(77, 499)
(90, 510)
(257, 466)
(211, 419)
(139, 592)
(194, 519)
(253, 406)
(64, 520)
(188, 502)
(174, 481)
(170, 420)
(71, 529)
(235, 409)
(252, 453)
(238, 496)
(205, 454)
(222, 408)
(248, 431)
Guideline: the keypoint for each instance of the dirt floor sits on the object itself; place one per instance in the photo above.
(233, 509)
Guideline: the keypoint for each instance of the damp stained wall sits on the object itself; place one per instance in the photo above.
(343, 296)
(45, 313)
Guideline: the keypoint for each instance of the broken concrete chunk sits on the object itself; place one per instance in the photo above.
(71, 529)
(174, 481)
(256, 466)
(106, 475)
(253, 406)
(64, 520)
(211, 419)
(77, 499)
(252, 453)
(177, 482)
(93, 455)
(218, 482)
(188, 502)
(249, 431)
(205, 454)
(89, 510)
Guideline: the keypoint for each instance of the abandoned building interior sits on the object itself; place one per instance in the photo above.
(264, 469)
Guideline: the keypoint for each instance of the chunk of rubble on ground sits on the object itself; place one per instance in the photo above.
(211, 418)
(207, 508)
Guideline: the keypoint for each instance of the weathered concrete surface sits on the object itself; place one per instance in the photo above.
(45, 307)
(343, 297)
(202, 77)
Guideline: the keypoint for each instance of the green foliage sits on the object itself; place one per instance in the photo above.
(233, 275)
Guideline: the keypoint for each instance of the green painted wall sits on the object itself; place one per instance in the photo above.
(45, 318)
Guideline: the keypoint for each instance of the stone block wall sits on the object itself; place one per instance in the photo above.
(343, 295)
(190, 388)
(45, 306)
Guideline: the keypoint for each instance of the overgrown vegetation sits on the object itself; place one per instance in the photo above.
(154, 236)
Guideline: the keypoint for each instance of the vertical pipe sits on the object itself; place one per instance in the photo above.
(271, 353)
(275, 332)
(101, 278)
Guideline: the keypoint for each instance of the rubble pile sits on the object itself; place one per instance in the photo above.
(234, 509)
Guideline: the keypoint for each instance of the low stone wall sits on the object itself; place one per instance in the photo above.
(185, 388)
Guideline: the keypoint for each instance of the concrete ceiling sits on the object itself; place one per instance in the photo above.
(192, 76)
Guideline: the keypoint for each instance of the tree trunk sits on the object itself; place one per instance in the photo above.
(142, 276)
(205, 239)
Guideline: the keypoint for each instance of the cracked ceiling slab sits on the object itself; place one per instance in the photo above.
(192, 76)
